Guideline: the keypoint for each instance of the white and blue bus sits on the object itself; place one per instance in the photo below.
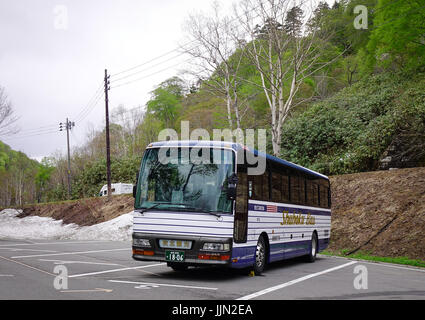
(193, 213)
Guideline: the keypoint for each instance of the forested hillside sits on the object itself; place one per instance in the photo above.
(337, 92)
(20, 180)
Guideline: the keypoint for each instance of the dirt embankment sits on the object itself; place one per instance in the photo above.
(84, 212)
(381, 213)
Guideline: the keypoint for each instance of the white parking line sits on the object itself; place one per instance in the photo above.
(41, 243)
(25, 265)
(63, 262)
(115, 270)
(67, 253)
(19, 249)
(290, 283)
(163, 285)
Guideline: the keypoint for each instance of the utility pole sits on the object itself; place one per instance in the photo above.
(68, 126)
(108, 149)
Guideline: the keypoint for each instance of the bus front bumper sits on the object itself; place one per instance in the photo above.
(153, 249)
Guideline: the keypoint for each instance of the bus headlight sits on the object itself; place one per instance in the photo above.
(141, 242)
(215, 246)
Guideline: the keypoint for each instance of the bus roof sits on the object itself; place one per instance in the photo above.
(236, 147)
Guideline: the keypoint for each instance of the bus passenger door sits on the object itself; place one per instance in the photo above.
(241, 209)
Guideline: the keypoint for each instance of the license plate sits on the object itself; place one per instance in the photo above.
(175, 256)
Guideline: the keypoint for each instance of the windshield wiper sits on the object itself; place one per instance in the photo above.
(204, 211)
(158, 204)
(149, 208)
(186, 206)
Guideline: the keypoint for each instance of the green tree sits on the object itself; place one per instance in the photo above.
(398, 37)
(42, 177)
(293, 21)
(165, 103)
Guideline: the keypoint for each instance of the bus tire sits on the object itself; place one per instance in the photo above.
(260, 256)
(314, 244)
(178, 266)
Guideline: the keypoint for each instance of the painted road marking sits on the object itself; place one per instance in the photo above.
(115, 270)
(290, 283)
(25, 265)
(42, 243)
(88, 290)
(67, 253)
(155, 285)
(18, 249)
(63, 262)
(7, 275)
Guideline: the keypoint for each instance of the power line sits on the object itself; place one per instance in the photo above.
(178, 48)
(148, 68)
(88, 106)
(150, 75)
(126, 111)
(88, 110)
(31, 135)
(167, 53)
(28, 131)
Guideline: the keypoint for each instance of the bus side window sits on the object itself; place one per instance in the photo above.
(295, 189)
(257, 187)
(329, 198)
(242, 193)
(315, 190)
(276, 187)
(323, 194)
(301, 182)
(241, 209)
(265, 182)
(285, 188)
(312, 193)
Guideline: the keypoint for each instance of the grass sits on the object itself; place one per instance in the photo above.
(369, 257)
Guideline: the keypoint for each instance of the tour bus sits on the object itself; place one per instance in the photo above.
(194, 213)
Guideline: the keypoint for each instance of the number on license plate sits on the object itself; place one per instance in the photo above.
(177, 256)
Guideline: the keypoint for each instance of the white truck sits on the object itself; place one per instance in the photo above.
(117, 188)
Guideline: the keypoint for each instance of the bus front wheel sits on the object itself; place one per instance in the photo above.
(260, 256)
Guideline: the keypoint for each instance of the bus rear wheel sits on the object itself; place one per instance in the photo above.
(311, 257)
(260, 256)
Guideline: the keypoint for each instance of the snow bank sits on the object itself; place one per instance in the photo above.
(12, 227)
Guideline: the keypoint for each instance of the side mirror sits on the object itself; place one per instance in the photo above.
(231, 186)
(135, 185)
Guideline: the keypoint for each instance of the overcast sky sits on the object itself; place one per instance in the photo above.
(53, 55)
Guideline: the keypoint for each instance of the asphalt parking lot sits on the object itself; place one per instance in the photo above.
(84, 270)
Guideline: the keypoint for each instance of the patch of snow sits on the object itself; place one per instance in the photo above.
(44, 228)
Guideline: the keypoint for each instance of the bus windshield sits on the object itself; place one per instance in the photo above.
(185, 179)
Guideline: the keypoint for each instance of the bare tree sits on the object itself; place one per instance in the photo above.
(7, 117)
(284, 51)
(217, 57)
(128, 120)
